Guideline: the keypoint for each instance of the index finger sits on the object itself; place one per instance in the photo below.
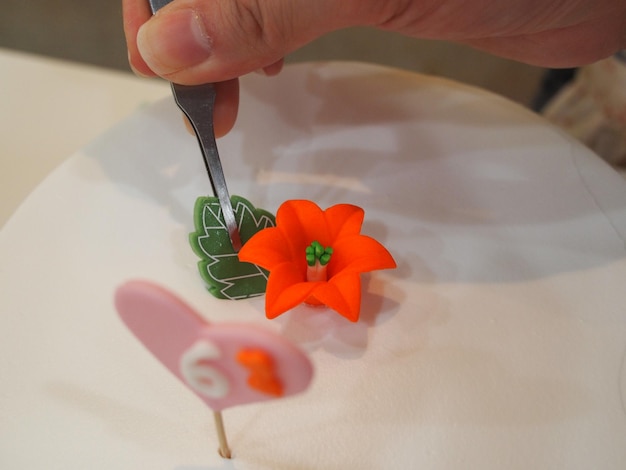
(135, 13)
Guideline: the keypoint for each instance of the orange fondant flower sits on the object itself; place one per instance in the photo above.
(316, 257)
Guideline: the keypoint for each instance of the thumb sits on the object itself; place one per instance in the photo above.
(195, 41)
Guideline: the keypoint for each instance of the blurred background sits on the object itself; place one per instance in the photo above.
(90, 31)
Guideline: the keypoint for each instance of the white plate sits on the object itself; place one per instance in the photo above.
(499, 342)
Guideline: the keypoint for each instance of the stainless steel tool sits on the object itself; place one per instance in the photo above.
(197, 103)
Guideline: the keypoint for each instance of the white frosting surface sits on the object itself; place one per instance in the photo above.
(499, 342)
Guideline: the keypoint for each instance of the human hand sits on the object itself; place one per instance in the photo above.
(195, 41)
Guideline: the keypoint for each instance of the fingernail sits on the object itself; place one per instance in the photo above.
(174, 41)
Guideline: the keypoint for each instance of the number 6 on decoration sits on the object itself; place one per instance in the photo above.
(224, 364)
(199, 374)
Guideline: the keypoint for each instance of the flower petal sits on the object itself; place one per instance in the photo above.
(267, 248)
(286, 288)
(342, 293)
(359, 253)
(344, 220)
(302, 222)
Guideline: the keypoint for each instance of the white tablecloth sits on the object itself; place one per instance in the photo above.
(52, 108)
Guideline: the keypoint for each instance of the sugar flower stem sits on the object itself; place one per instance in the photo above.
(317, 273)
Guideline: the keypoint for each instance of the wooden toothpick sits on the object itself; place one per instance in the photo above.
(224, 450)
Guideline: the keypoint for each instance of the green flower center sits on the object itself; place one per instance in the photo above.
(316, 253)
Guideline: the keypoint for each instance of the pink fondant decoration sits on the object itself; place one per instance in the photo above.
(174, 332)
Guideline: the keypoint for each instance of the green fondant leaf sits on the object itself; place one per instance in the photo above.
(227, 277)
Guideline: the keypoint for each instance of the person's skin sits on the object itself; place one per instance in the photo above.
(199, 41)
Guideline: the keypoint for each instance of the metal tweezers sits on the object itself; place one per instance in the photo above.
(197, 103)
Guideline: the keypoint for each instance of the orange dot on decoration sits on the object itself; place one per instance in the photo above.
(262, 372)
